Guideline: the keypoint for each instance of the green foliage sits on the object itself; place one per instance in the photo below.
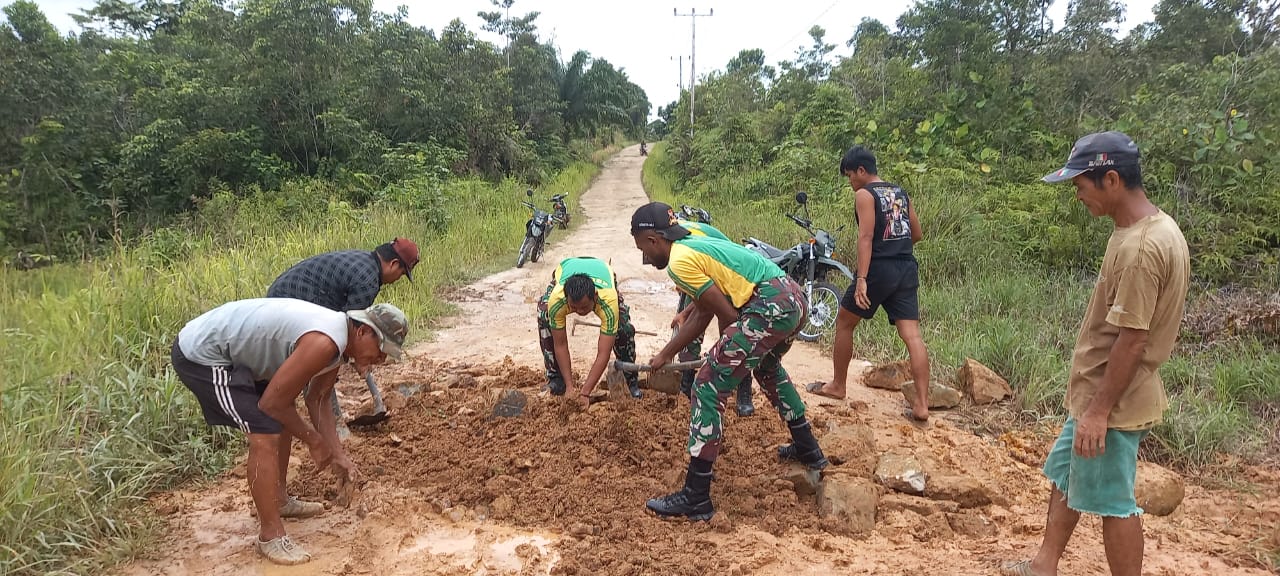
(155, 107)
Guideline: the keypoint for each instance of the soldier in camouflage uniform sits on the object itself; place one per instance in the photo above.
(583, 286)
(694, 350)
(760, 310)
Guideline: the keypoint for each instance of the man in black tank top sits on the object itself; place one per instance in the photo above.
(887, 276)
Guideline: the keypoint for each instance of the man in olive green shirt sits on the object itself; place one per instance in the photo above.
(1114, 393)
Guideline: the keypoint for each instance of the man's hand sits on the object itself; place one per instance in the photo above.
(1091, 435)
(860, 294)
(584, 401)
(343, 468)
(659, 361)
(320, 454)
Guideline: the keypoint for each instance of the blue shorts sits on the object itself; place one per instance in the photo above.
(1101, 485)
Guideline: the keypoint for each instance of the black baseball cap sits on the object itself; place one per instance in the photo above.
(658, 217)
(1097, 150)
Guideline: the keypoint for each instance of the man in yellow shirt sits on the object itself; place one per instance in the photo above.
(584, 286)
(760, 310)
(1114, 394)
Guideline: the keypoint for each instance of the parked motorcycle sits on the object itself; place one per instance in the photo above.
(692, 214)
(644, 150)
(560, 210)
(537, 230)
(811, 264)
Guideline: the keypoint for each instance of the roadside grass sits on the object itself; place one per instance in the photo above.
(980, 299)
(92, 419)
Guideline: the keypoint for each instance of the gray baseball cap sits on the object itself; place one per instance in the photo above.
(1097, 150)
(389, 323)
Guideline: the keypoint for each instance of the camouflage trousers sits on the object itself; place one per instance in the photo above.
(752, 345)
(624, 346)
(694, 350)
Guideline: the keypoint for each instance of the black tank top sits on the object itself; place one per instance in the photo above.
(892, 238)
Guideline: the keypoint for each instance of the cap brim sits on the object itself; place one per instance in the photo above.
(1063, 175)
(408, 273)
(674, 232)
(391, 349)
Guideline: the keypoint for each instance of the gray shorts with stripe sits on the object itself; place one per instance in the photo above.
(228, 395)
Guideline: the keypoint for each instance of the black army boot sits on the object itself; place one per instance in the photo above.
(745, 408)
(692, 501)
(803, 447)
(556, 386)
(633, 384)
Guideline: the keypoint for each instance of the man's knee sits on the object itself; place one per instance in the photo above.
(846, 320)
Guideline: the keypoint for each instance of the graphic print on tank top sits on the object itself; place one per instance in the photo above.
(892, 203)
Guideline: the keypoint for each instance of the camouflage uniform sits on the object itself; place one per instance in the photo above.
(754, 344)
(624, 346)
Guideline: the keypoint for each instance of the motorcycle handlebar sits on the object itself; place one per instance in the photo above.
(530, 206)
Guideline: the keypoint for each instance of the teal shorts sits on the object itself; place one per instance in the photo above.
(1101, 485)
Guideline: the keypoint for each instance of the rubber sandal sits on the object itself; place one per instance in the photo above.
(1020, 568)
(816, 388)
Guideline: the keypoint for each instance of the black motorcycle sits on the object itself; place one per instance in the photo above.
(812, 264)
(692, 214)
(537, 230)
(561, 210)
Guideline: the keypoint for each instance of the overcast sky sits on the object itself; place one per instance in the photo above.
(646, 39)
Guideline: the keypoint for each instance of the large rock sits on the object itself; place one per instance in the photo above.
(901, 472)
(1159, 491)
(852, 446)
(851, 501)
(970, 523)
(940, 396)
(509, 403)
(983, 384)
(963, 490)
(887, 376)
(803, 480)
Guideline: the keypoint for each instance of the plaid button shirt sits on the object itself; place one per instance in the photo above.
(341, 281)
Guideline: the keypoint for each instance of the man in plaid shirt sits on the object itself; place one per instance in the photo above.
(348, 280)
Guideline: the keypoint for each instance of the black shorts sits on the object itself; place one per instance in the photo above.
(228, 395)
(892, 284)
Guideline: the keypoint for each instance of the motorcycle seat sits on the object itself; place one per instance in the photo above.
(769, 251)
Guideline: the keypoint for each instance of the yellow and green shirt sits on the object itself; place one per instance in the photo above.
(606, 294)
(700, 229)
(697, 262)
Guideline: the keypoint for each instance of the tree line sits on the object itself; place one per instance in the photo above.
(990, 92)
(153, 107)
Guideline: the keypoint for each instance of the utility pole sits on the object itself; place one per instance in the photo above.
(693, 54)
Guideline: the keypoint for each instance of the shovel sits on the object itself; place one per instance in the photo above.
(666, 379)
(379, 409)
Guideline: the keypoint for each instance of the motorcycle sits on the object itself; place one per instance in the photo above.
(644, 150)
(537, 230)
(560, 210)
(811, 264)
(692, 214)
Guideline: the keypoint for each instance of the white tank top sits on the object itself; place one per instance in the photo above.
(259, 333)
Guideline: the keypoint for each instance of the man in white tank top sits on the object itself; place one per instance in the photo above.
(247, 361)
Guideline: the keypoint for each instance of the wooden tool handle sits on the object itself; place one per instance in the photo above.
(674, 366)
(596, 325)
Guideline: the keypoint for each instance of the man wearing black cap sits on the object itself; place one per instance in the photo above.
(760, 310)
(348, 280)
(1114, 393)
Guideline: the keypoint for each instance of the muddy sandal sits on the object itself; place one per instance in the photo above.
(816, 388)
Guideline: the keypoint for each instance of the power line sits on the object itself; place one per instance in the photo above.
(806, 28)
(693, 55)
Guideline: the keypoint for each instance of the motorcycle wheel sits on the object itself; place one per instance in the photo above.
(823, 307)
(537, 250)
(525, 249)
(564, 220)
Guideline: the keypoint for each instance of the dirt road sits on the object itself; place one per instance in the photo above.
(450, 490)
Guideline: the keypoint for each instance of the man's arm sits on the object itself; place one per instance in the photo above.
(1122, 364)
(604, 347)
(313, 352)
(865, 204)
(320, 407)
(917, 234)
(711, 304)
